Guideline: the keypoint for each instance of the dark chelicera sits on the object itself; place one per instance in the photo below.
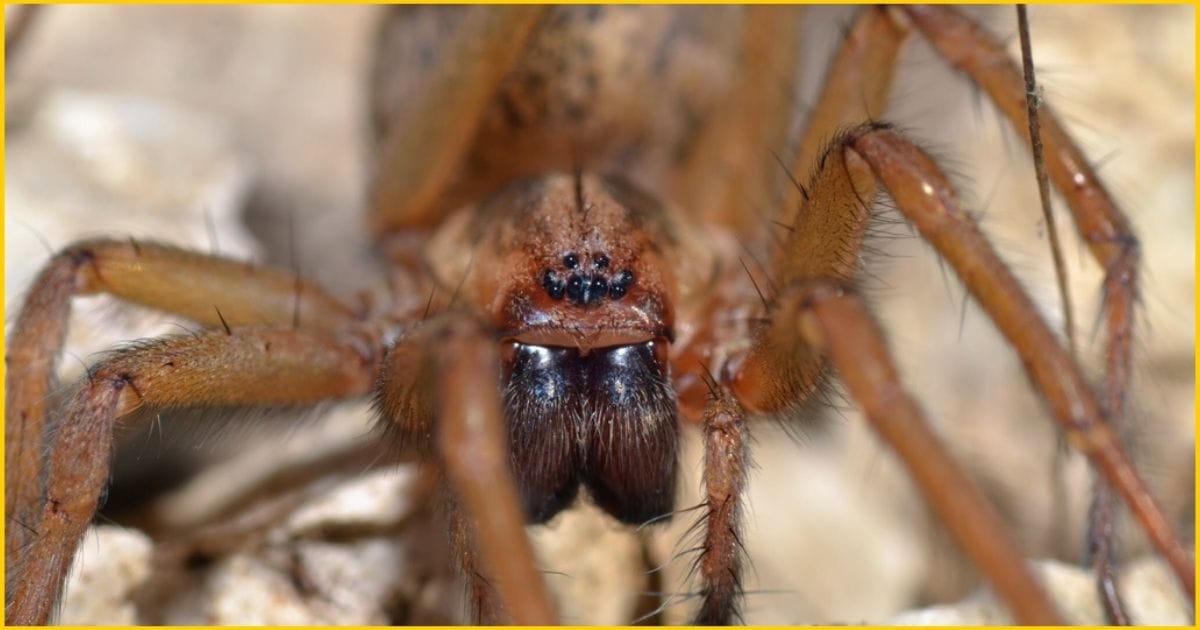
(605, 420)
(585, 289)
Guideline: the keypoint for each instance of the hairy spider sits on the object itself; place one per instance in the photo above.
(609, 361)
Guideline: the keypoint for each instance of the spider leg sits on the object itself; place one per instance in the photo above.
(196, 508)
(441, 387)
(787, 365)
(783, 368)
(725, 464)
(242, 367)
(1110, 238)
(154, 275)
(832, 319)
(729, 167)
(822, 242)
(855, 89)
(926, 198)
(427, 133)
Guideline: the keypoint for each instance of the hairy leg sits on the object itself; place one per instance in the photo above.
(929, 202)
(210, 290)
(787, 366)
(725, 466)
(824, 241)
(730, 171)
(67, 475)
(831, 319)
(440, 391)
(427, 132)
(784, 368)
(859, 81)
(856, 88)
(1107, 232)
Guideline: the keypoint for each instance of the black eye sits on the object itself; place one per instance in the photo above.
(575, 287)
(620, 285)
(600, 262)
(571, 261)
(552, 284)
(599, 287)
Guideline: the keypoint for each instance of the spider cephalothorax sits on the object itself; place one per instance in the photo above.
(581, 261)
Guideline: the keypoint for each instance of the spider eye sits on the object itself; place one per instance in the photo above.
(600, 261)
(620, 285)
(571, 261)
(575, 288)
(599, 287)
(552, 284)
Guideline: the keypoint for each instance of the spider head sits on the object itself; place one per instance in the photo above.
(574, 272)
(574, 261)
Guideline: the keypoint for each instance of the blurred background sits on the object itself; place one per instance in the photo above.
(242, 130)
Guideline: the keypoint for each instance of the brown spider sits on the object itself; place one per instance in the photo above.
(588, 273)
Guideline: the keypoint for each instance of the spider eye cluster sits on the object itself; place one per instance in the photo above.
(585, 286)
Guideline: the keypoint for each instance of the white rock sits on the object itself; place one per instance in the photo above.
(1149, 591)
(113, 562)
(592, 565)
(378, 499)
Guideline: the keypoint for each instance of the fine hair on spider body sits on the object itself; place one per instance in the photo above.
(579, 299)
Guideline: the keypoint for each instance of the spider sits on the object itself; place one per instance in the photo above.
(549, 282)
